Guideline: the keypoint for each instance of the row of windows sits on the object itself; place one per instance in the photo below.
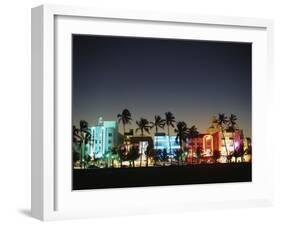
(109, 142)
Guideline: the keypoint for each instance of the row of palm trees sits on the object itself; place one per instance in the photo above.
(144, 126)
(169, 121)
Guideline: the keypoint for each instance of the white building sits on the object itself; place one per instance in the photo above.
(164, 142)
(104, 136)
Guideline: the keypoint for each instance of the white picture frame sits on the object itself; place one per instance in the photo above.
(52, 197)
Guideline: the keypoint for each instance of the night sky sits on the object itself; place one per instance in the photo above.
(192, 79)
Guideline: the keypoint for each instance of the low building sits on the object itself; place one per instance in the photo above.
(165, 142)
(141, 142)
(104, 136)
(214, 139)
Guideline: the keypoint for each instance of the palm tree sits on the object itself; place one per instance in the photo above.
(249, 146)
(198, 154)
(182, 134)
(125, 118)
(143, 126)
(222, 122)
(192, 133)
(150, 153)
(122, 154)
(133, 154)
(113, 154)
(77, 140)
(232, 126)
(82, 137)
(216, 155)
(158, 123)
(169, 121)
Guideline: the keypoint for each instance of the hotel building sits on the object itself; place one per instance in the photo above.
(142, 142)
(163, 141)
(105, 136)
(214, 139)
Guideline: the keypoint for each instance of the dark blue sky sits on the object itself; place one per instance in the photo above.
(192, 79)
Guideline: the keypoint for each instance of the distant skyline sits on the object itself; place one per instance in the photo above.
(193, 79)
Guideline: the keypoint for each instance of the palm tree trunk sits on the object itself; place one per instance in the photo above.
(169, 143)
(124, 130)
(81, 158)
(227, 154)
(141, 151)
(156, 140)
(191, 154)
(141, 157)
(82, 155)
(156, 144)
(180, 152)
(233, 142)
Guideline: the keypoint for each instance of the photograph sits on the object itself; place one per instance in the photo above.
(152, 111)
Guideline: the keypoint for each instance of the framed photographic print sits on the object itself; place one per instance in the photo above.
(148, 112)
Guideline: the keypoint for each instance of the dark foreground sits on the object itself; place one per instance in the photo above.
(155, 176)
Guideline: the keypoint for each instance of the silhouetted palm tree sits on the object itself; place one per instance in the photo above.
(169, 121)
(236, 155)
(249, 146)
(113, 154)
(133, 154)
(181, 135)
(77, 140)
(232, 121)
(199, 152)
(241, 152)
(158, 123)
(82, 137)
(232, 126)
(150, 153)
(143, 126)
(122, 154)
(216, 155)
(192, 133)
(125, 117)
(222, 122)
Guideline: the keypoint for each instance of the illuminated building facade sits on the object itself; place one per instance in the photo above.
(163, 141)
(142, 142)
(214, 139)
(104, 136)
